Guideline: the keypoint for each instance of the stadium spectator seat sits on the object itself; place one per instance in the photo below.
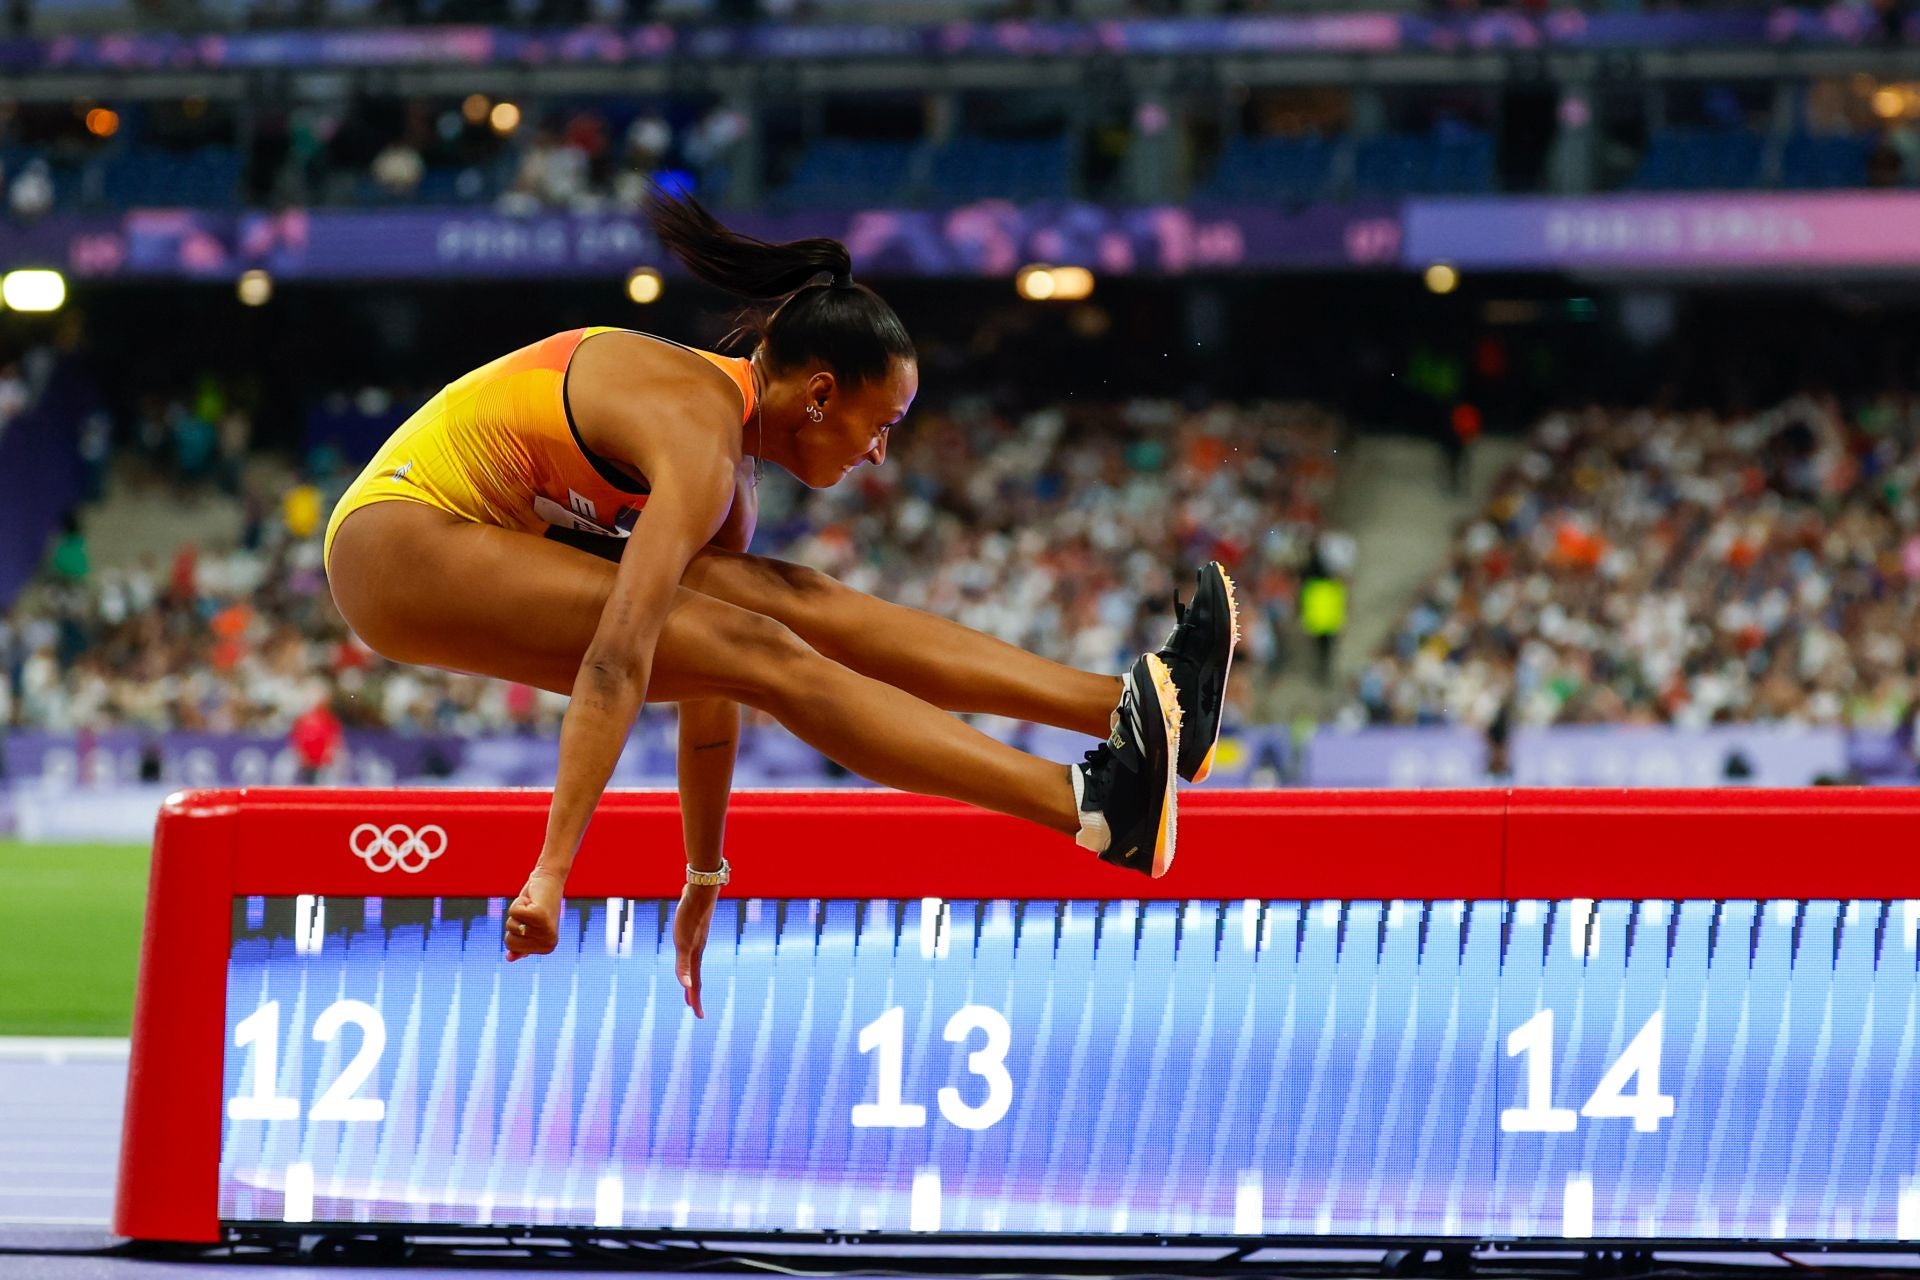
(137, 176)
(1700, 160)
(1810, 162)
(840, 173)
(1446, 162)
(1291, 169)
(970, 168)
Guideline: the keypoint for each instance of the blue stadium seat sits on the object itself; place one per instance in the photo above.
(1821, 162)
(1399, 164)
(14, 158)
(1700, 160)
(969, 168)
(839, 173)
(1291, 169)
(458, 185)
(207, 177)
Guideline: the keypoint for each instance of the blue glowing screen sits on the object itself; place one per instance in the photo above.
(1486, 1069)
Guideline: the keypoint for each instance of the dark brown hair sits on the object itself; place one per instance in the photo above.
(806, 304)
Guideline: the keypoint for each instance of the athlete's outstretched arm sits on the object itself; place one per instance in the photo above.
(692, 487)
(709, 745)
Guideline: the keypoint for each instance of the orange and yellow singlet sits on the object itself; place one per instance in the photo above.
(499, 447)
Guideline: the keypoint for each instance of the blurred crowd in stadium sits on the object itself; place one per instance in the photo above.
(1655, 565)
(1640, 565)
(1641, 562)
(1063, 532)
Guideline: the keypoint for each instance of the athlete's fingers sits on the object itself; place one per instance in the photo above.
(528, 924)
(533, 942)
(688, 968)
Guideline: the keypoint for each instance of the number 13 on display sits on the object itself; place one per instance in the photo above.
(887, 1033)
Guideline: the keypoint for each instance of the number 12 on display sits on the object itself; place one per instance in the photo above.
(887, 1033)
(261, 1030)
(1646, 1106)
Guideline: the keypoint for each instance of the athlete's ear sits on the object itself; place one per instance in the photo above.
(821, 387)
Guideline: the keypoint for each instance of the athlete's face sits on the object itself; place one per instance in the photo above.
(854, 422)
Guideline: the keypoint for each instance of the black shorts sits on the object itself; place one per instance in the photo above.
(597, 544)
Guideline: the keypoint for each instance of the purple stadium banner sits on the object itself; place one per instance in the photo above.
(1440, 756)
(769, 757)
(118, 757)
(991, 238)
(1607, 756)
(615, 45)
(1686, 232)
(1683, 233)
(1723, 755)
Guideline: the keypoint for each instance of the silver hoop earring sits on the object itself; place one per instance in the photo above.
(815, 412)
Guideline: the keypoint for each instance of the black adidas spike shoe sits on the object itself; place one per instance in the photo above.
(1125, 788)
(1199, 653)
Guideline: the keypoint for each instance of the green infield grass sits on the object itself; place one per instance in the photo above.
(70, 970)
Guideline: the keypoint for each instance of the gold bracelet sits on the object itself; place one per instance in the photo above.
(710, 878)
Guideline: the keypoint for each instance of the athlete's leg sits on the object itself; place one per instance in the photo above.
(425, 587)
(934, 659)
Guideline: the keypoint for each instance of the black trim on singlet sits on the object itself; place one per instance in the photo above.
(606, 470)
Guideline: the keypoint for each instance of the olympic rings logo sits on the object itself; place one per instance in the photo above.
(384, 848)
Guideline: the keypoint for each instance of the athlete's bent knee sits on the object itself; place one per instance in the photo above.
(770, 658)
(760, 639)
(803, 581)
(778, 584)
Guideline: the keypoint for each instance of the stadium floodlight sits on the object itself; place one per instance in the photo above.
(1071, 284)
(505, 117)
(644, 285)
(1035, 283)
(1442, 277)
(33, 289)
(255, 288)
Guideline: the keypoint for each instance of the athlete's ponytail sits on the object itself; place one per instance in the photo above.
(808, 306)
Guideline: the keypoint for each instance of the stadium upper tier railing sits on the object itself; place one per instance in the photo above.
(1353, 32)
(1359, 1014)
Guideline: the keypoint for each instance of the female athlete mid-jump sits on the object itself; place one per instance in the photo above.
(488, 534)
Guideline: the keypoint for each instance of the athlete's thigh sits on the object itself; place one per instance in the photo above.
(425, 587)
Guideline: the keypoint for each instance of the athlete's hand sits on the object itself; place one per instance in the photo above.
(690, 923)
(533, 921)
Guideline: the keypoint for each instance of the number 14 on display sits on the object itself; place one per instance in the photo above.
(1646, 1106)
